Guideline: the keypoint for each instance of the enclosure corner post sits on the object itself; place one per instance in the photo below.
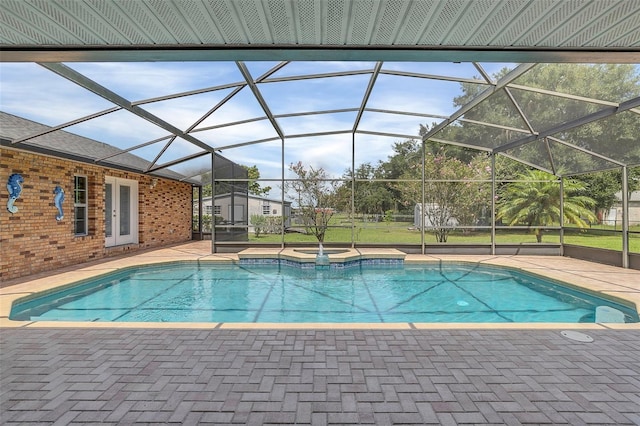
(561, 216)
(625, 217)
(213, 203)
(353, 190)
(200, 210)
(493, 203)
(424, 153)
(282, 194)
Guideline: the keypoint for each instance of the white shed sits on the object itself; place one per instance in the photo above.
(431, 211)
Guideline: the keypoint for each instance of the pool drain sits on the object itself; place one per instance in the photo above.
(577, 336)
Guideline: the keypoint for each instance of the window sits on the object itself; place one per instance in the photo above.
(217, 210)
(80, 205)
(266, 209)
(207, 209)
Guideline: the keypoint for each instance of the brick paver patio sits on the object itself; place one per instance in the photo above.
(219, 376)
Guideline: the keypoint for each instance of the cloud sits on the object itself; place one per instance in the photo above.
(144, 80)
(31, 91)
(315, 94)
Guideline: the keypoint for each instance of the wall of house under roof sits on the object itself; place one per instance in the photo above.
(33, 241)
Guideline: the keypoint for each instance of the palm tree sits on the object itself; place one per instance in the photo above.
(534, 201)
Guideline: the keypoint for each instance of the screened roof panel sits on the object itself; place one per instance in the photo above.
(32, 92)
(400, 124)
(142, 80)
(147, 150)
(616, 137)
(237, 134)
(71, 145)
(176, 149)
(597, 82)
(98, 56)
(267, 157)
(536, 154)
(544, 111)
(570, 161)
(403, 93)
(317, 123)
(241, 106)
(499, 110)
(255, 112)
(317, 94)
(472, 134)
(186, 111)
(191, 168)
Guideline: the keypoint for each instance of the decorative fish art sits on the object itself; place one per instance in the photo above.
(58, 199)
(14, 186)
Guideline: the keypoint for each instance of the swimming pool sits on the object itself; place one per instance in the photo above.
(196, 292)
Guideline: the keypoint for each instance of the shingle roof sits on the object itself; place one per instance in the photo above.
(69, 145)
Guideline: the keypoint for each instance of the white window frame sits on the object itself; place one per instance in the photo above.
(80, 206)
(266, 209)
(217, 209)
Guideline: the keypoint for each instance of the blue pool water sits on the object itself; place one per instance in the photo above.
(259, 293)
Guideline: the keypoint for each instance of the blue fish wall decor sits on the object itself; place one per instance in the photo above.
(58, 199)
(14, 186)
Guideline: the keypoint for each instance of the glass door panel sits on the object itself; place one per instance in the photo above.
(121, 212)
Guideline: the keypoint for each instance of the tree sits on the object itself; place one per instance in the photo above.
(602, 188)
(259, 222)
(455, 191)
(254, 187)
(534, 201)
(371, 196)
(314, 193)
(615, 136)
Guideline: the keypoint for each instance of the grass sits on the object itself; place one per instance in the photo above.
(404, 233)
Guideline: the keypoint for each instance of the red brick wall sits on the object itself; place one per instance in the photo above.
(32, 241)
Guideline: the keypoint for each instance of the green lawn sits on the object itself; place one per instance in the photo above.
(404, 233)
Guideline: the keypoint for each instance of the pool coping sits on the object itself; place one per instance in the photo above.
(621, 285)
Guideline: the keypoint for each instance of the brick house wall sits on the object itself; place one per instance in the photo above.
(32, 240)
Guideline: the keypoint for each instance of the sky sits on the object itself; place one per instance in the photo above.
(31, 91)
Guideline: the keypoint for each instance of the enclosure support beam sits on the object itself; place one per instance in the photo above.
(200, 210)
(422, 207)
(625, 217)
(256, 92)
(561, 216)
(572, 124)
(282, 194)
(482, 96)
(82, 81)
(213, 203)
(65, 125)
(367, 94)
(353, 190)
(493, 204)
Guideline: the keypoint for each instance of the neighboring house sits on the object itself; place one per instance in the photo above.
(614, 215)
(242, 206)
(109, 205)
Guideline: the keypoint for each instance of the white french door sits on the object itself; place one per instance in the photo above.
(121, 211)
